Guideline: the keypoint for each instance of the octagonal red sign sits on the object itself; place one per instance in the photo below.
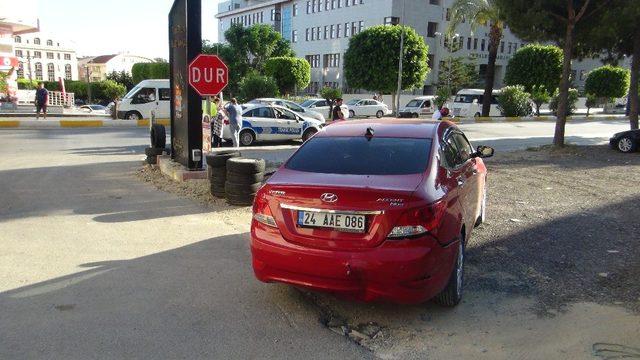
(208, 75)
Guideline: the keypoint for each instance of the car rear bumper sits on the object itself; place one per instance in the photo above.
(405, 271)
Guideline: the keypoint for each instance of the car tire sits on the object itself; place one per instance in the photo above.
(477, 114)
(158, 136)
(247, 138)
(218, 160)
(152, 151)
(238, 178)
(240, 200)
(415, 116)
(352, 114)
(452, 293)
(308, 134)
(246, 166)
(133, 116)
(627, 145)
(379, 114)
(241, 189)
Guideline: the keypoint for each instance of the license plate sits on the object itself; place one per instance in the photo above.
(340, 222)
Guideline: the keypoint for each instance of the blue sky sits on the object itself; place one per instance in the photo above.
(100, 27)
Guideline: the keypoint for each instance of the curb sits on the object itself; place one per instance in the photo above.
(79, 123)
(481, 120)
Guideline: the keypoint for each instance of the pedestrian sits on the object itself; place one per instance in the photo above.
(337, 114)
(234, 111)
(42, 99)
(444, 111)
(375, 97)
(437, 115)
(216, 124)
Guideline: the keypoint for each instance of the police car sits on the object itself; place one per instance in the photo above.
(263, 122)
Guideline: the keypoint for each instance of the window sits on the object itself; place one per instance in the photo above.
(318, 33)
(469, 43)
(50, 55)
(295, 9)
(448, 16)
(306, 34)
(18, 53)
(319, 4)
(432, 28)
(327, 5)
(313, 34)
(20, 71)
(144, 96)
(332, 60)
(510, 46)
(361, 156)
(475, 44)
(434, 2)
(339, 3)
(37, 55)
(273, 14)
(49, 43)
(67, 56)
(430, 59)
(338, 30)
(313, 60)
(482, 44)
(346, 3)
(391, 20)
(38, 67)
(36, 41)
(18, 39)
(294, 36)
(51, 72)
(347, 30)
(326, 32)
(354, 28)
(263, 112)
(502, 47)
(67, 72)
(308, 7)
(360, 26)
(332, 31)
(333, 4)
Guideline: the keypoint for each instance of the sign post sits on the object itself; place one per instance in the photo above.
(185, 44)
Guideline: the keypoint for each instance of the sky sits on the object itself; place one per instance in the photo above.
(98, 27)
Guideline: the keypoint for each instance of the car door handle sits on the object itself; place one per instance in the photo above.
(461, 181)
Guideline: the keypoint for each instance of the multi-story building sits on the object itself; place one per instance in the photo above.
(96, 68)
(319, 30)
(43, 57)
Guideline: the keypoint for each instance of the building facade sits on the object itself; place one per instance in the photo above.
(43, 57)
(96, 68)
(319, 31)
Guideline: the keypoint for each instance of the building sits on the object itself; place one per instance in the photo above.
(97, 68)
(43, 57)
(319, 30)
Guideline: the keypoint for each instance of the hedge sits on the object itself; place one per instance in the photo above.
(144, 71)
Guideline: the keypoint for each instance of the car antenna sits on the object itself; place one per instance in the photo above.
(369, 133)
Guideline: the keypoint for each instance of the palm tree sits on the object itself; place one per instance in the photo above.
(477, 13)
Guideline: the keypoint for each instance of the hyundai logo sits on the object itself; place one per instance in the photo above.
(329, 197)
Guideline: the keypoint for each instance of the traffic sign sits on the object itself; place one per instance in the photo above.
(208, 75)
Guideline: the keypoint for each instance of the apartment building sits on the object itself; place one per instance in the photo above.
(44, 57)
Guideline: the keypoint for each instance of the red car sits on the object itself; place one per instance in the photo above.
(373, 211)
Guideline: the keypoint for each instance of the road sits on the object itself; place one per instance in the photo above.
(95, 264)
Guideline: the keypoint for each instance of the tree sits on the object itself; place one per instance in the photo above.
(442, 96)
(108, 90)
(607, 82)
(255, 86)
(290, 73)
(160, 60)
(122, 78)
(330, 94)
(535, 65)
(514, 101)
(540, 95)
(592, 101)
(482, 12)
(237, 68)
(553, 20)
(371, 61)
(144, 71)
(455, 74)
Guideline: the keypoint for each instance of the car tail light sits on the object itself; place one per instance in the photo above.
(226, 121)
(262, 212)
(419, 221)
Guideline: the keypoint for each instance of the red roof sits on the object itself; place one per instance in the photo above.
(102, 59)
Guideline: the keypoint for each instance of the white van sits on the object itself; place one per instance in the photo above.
(147, 96)
(468, 103)
(422, 105)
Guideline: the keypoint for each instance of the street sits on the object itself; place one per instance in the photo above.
(96, 264)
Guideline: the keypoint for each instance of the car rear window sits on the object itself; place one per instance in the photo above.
(359, 156)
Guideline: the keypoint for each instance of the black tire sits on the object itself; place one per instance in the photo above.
(352, 113)
(245, 166)
(477, 115)
(308, 134)
(219, 160)
(627, 145)
(452, 293)
(151, 151)
(241, 189)
(379, 114)
(247, 138)
(240, 200)
(158, 136)
(133, 115)
(415, 116)
(238, 178)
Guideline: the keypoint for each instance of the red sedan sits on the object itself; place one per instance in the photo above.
(373, 211)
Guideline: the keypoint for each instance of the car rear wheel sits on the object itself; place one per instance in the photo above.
(352, 113)
(452, 293)
(247, 138)
(308, 134)
(133, 115)
(379, 114)
(416, 116)
(477, 114)
(627, 145)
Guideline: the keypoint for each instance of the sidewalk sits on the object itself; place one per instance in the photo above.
(75, 122)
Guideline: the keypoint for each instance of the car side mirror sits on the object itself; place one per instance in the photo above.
(484, 152)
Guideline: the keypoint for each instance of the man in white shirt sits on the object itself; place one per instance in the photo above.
(437, 115)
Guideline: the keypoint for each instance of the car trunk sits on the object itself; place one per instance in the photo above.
(381, 199)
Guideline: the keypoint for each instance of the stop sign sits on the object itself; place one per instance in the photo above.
(208, 75)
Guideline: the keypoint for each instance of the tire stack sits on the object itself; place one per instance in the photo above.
(217, 171)
(158, 137)
(244, 178)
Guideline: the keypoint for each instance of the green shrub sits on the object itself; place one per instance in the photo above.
(144, 71)
(592, 101)
(329, 93)
(539, 96)
(289, 72)
(107, 90)
(608, 82)
(256, 86)
(571, 105)
(514, 101)
(535, 65)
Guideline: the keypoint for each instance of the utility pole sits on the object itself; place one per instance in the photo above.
(399, 90)
(86, 67)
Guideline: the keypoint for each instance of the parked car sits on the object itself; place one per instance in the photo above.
(272, 123)
(367, 107)
(322, 106)
(291, 106)
(468, 103)
(147, 96)
(94, 109)
(422, 105)
(626, 141)
(373, 210)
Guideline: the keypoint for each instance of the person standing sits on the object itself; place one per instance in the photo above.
(437, 115)
(234, 111)
(216, 124)
(42, 99)
(336, 113)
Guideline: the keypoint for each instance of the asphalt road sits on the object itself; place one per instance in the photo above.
(95, 264)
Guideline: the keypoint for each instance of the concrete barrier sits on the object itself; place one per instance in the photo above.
(76, 123)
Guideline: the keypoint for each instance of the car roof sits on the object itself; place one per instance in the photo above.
(429, 97)
(386, 128)
(475, 92)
